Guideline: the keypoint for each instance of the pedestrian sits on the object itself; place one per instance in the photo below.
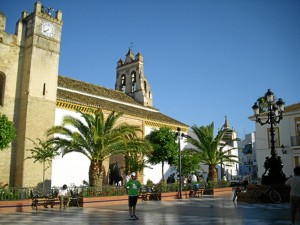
(133, 187)
(294, 183)
(194, 178)
(63, 196)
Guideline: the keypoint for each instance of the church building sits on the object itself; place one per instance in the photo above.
(35, 98)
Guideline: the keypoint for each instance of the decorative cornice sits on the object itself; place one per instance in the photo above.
(92, 109)
(159, 125)
(74, 107)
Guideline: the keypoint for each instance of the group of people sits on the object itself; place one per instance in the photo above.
(133, 189)
(190, 178)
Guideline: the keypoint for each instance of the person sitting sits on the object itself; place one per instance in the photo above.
(64, 196)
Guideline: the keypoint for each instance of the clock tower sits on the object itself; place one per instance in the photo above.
(39, 36)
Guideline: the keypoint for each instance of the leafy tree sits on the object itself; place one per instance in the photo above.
(190, 161)
(210, 148)
(134, 162)
(43, 152)
(165, 148)
(263, 103)
(7, 132)
(97, 138)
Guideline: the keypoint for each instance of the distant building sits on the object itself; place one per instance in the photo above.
(229, 169)
(247, 155)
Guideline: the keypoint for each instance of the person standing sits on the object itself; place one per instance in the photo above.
(133, 187)
(294, 183)
(194, 178)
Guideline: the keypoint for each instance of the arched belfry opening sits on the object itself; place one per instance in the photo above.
(131, 78)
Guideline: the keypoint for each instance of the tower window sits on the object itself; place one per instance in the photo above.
(44, 89)
(2, 87)
(145, 86)
(133, 77)
(123, 80)
(133, 87)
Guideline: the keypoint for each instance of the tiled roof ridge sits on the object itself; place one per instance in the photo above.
(109, 99)
(74, 99)
(117, 96)
(292, 108)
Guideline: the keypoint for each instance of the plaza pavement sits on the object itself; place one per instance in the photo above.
(213, 210)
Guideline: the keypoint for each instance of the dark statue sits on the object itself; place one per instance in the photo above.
(273, 165)
(114, 174)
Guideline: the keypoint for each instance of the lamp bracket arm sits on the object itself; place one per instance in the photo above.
(258, 120)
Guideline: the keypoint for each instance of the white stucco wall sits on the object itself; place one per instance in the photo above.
(73, 168)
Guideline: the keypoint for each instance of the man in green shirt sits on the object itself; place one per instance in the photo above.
(133, 187)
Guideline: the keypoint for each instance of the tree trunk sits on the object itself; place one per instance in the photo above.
(162, 170)
(212, 173)
(96, 175)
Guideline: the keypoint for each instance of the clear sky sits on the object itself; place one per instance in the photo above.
(204, 60)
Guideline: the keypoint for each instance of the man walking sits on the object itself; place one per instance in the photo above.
(294, 183)
(133, 187)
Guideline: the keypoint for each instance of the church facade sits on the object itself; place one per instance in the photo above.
(35, 98)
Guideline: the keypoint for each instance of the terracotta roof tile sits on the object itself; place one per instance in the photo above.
(292, 108)
(131, 107)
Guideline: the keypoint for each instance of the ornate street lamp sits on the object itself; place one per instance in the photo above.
(273, 113)
(179, 136)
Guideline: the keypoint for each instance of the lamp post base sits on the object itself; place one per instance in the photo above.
(275, 174)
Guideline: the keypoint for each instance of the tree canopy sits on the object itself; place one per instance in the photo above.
(7, 131)
(43, 152)
(211, 149)
(97, 137)
(165, 148)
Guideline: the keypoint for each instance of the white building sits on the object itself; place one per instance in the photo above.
(287, 135)
(247, 155)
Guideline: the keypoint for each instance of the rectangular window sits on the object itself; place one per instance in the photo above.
(2, 87)
(44, 89)
(297, 161)
(297, 121)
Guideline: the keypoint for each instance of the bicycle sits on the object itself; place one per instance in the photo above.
(252, 196)
(238, 189)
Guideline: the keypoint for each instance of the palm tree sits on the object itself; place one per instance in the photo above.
(210, 148)
(97, 138)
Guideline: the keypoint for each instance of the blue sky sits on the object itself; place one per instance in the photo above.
(203, 59)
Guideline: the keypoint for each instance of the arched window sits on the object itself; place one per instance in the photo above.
(133, 77)
(2, 88)
(123, 80)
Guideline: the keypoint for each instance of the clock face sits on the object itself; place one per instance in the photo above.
(48, 29)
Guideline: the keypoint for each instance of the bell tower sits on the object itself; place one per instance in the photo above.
(131, 79)
(39, 37)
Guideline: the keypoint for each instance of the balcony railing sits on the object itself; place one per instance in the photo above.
(295, 140)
